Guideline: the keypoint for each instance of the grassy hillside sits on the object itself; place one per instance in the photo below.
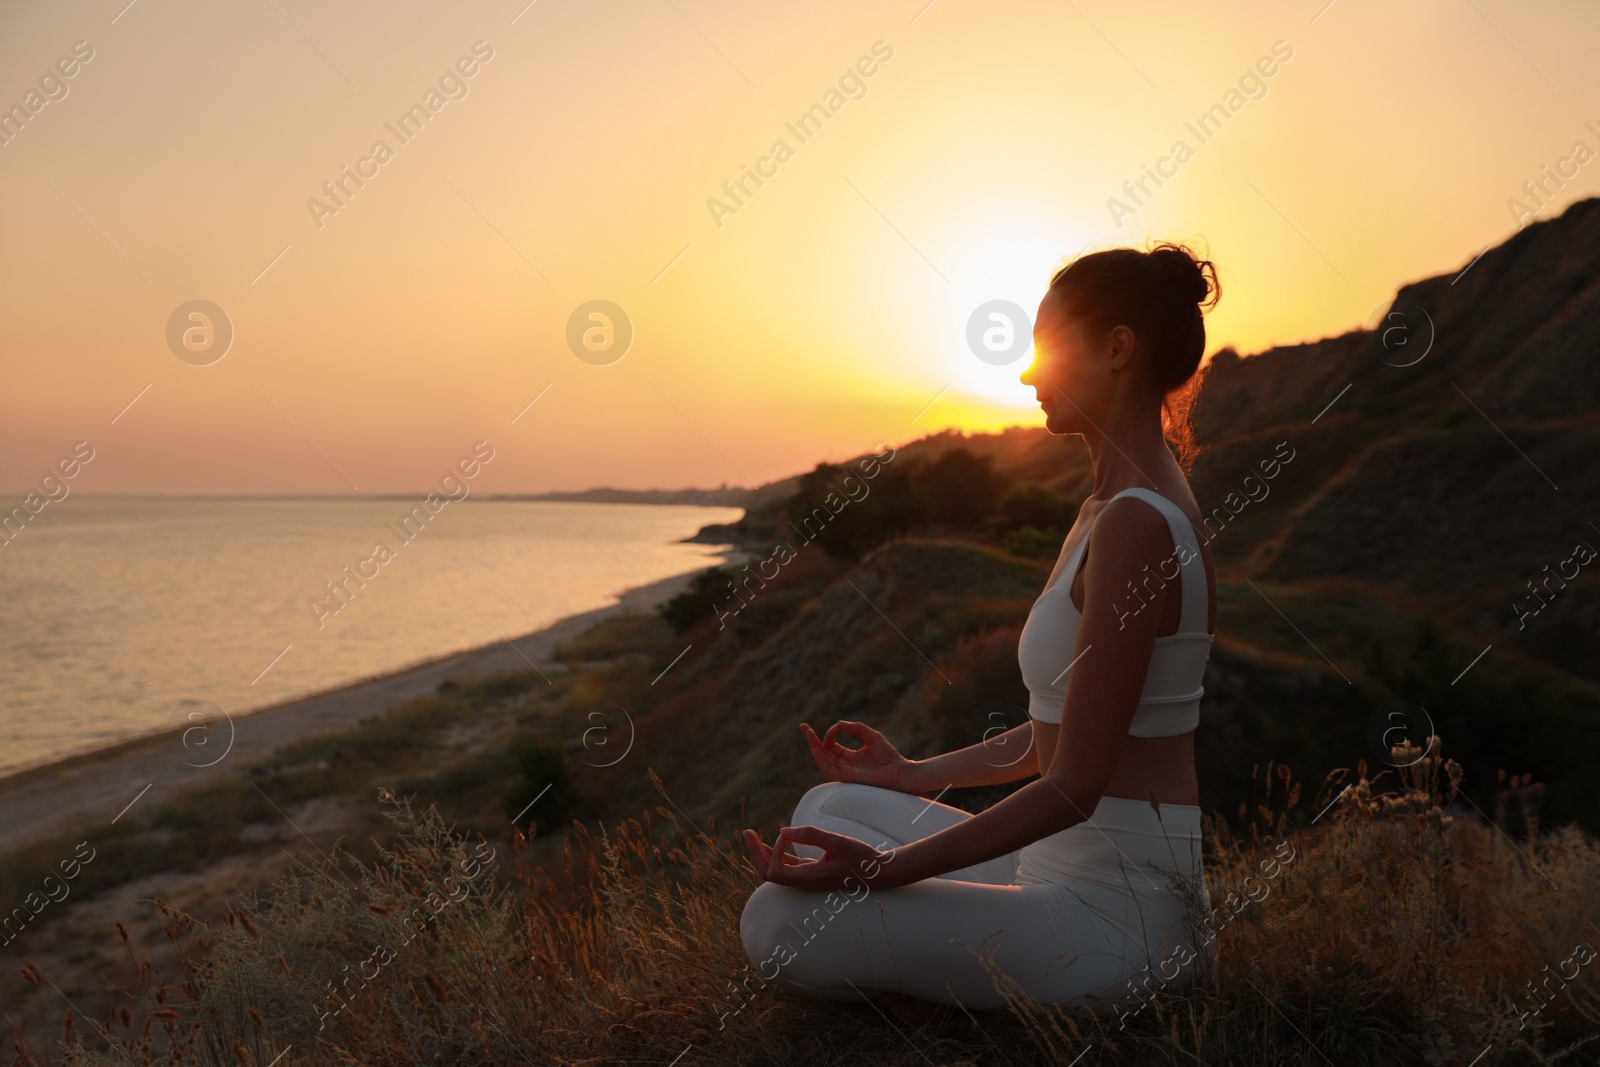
(1389, 934)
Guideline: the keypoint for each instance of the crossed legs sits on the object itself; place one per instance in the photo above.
(924, 939)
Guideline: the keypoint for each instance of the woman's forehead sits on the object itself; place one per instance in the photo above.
(1054, 318)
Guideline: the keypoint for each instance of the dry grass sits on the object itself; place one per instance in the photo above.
(1388, 932)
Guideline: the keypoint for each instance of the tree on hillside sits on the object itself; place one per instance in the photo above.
(850, 519)
(959, 490)
(1032, 520)
(699, 601)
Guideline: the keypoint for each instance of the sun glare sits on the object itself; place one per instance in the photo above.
(1017, 270)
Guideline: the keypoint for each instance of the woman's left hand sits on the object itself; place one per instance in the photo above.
(846, 862)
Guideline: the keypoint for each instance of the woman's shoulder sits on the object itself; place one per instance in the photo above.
(1136, 503)
(1130, 513)
(1142, 514)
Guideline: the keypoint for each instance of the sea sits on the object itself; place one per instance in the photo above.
(119, 616)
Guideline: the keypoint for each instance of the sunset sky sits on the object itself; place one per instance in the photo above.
(375, 343)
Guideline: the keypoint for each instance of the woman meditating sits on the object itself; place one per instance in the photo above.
(1067, 885)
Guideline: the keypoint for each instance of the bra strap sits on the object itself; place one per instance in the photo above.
(1192, 615)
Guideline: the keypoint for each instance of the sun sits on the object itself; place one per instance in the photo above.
(1016, 269)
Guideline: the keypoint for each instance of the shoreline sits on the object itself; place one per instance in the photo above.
(104, 783)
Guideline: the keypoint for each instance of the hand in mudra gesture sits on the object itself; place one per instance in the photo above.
(876, 762)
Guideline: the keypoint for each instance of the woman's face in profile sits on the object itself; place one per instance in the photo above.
(1063, 372)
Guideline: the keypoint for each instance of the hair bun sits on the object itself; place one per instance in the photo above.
(1195, 278)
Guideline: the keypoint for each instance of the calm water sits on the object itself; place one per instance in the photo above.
(114, 612)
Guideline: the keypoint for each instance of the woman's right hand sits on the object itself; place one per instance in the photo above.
(876, 762)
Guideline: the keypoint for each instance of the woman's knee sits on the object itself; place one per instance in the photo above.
(820, 799)
(765, 928)
(761, 921)
(813, 800)
(800, 941)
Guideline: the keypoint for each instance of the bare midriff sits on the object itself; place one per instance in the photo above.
(1160, 765)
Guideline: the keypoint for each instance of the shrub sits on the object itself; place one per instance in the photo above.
(618, 635)
(847, 527)
(960, 489)
(542, 790)
(698, 602)
(1028, 504)
(1032, 542)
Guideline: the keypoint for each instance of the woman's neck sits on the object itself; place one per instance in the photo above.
(1128, 448)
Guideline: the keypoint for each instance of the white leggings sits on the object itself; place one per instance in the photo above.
(1082, 917)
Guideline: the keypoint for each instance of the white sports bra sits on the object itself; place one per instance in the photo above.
(1170, 702)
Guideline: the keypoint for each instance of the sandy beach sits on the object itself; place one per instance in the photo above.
(106, 783)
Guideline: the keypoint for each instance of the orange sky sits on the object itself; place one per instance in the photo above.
(576, 162)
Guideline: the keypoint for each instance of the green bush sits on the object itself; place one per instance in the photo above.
(617, 635)
(542, 790)
(699, 601)
(852, 526)
(960, 489)
(1027, 504)
(1032, 542)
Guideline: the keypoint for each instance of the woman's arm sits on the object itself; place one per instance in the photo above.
(1002, 758)
(1102, 696)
